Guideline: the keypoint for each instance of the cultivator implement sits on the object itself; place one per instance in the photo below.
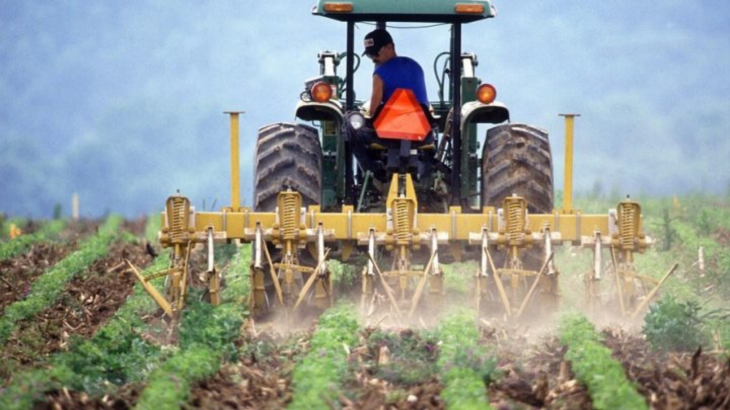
(403, 248)
(506, 234)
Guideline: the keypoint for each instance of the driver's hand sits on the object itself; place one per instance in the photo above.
(365, 109)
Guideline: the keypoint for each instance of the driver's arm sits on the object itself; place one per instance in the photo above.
(377, 97)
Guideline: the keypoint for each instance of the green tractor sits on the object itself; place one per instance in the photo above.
(411, 203)
(318, 162)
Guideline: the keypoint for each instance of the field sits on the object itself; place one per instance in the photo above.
(78, 331)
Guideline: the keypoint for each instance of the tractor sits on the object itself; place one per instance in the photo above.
(426, 197)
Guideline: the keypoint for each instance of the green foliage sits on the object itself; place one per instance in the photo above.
(674, 325)
(117, 353)
(343, 275)
(18, 245)
(465, 365)
(153, 226)
(318, 378)
(57, 211)
(207, 335)
(49, 286)
(593, 366)
(169, 385)
(459, 277)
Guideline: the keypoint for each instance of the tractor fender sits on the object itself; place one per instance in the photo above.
(316, 111)
(475, 112)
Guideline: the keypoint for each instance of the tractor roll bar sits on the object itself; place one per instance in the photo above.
(456, 155)
(349, 105)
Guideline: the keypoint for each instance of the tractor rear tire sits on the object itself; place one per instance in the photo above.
(287, 156)
(516, 159)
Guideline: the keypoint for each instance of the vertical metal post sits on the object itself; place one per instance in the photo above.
(75, 206)
(568, 183)
(456, 115)
(235, 161)
(349, 105)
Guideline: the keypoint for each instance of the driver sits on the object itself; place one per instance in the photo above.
(391, 72)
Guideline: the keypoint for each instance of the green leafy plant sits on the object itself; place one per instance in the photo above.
(674, 325)
(466, 367)
(318, 378)
(594, 366)
(207, 335)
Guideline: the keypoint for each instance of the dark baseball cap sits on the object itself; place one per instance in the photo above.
(375, 40)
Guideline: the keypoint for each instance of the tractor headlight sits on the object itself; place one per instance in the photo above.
(357, 121)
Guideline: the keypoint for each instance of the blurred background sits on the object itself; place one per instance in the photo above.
(122, 102)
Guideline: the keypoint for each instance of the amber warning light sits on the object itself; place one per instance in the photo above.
(466, 8)
(338, 7)
(321, 92)
(486, 93)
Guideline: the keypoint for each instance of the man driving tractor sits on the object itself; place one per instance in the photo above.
(392, 72)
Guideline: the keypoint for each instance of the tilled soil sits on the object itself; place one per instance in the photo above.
(537, 377)
(65, 399)
(80, 229)
(260, 380)
(88, 301)
(532, 375)
(673, 380)
(17, 274)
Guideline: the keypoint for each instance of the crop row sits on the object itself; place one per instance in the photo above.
(594, 366)
(116, 354)
(318, 378)
(207, 336)
(18, 245)
(464, 364)
(49, 286)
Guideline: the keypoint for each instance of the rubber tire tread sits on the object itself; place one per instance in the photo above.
(516, 159)
(288, 155)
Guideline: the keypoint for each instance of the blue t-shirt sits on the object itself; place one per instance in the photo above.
(402, 72)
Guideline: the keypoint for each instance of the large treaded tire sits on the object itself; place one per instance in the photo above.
(287, 156)
(516, 159)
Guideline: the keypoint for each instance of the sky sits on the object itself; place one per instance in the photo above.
(122, 102)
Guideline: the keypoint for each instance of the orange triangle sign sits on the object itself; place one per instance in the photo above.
(402, 118)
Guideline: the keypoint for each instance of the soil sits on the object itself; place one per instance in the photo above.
(675, 380)
(88, 301)
(18, 273)
(65, 399)
(533, 372)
